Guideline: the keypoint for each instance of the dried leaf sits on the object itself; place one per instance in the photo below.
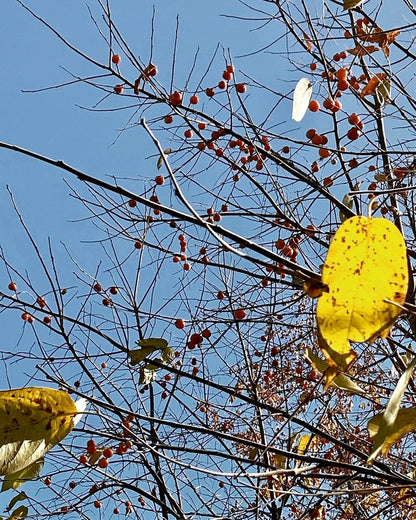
(365, 266)
(15, 500)
(136, 356)
(301, 98)
(371, 87)
(384, 39)
(380, 177)
(387, 428)
(94, 457)
(363, 50)
(19, 514)
(307, 41)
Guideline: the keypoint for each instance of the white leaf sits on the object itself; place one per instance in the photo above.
(301, 98)
(80, 405)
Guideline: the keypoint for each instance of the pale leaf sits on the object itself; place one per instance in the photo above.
(301, 98)
(386, 426)
(340, 381)
(14, 480)
(168, 355)
(149, 373)
(162, 157)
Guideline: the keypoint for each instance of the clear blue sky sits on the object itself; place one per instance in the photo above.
(51, 123)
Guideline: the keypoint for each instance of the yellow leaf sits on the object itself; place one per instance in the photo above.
(349, 4)
(32, 421)
(340, 381)
(301, 98)
(405, 422)
(365, 266)
(391, 425)
(303, 444)
(314, 288)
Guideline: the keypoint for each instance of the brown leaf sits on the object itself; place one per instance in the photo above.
(308, 41)
(362, 50)
(371, 87)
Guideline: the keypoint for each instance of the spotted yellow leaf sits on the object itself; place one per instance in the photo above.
(366, 273)
(32, 421)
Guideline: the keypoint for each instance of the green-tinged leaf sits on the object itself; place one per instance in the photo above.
(386, 425)
(15, 500)
(301, 98)
(253, 453)
(383, 91)
(32, 421)
(150, 345)
(149, 373)
(340, 381)
(19, 514)
(280, 461)
(347, 201)
(94, 457)
(155, 343)
(380, 177)
(16, 479)
(136, 356)
(166, 152)
(168, 355)
(404, 423)
(349, 4)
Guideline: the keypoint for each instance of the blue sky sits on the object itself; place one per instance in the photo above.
(50, 123)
